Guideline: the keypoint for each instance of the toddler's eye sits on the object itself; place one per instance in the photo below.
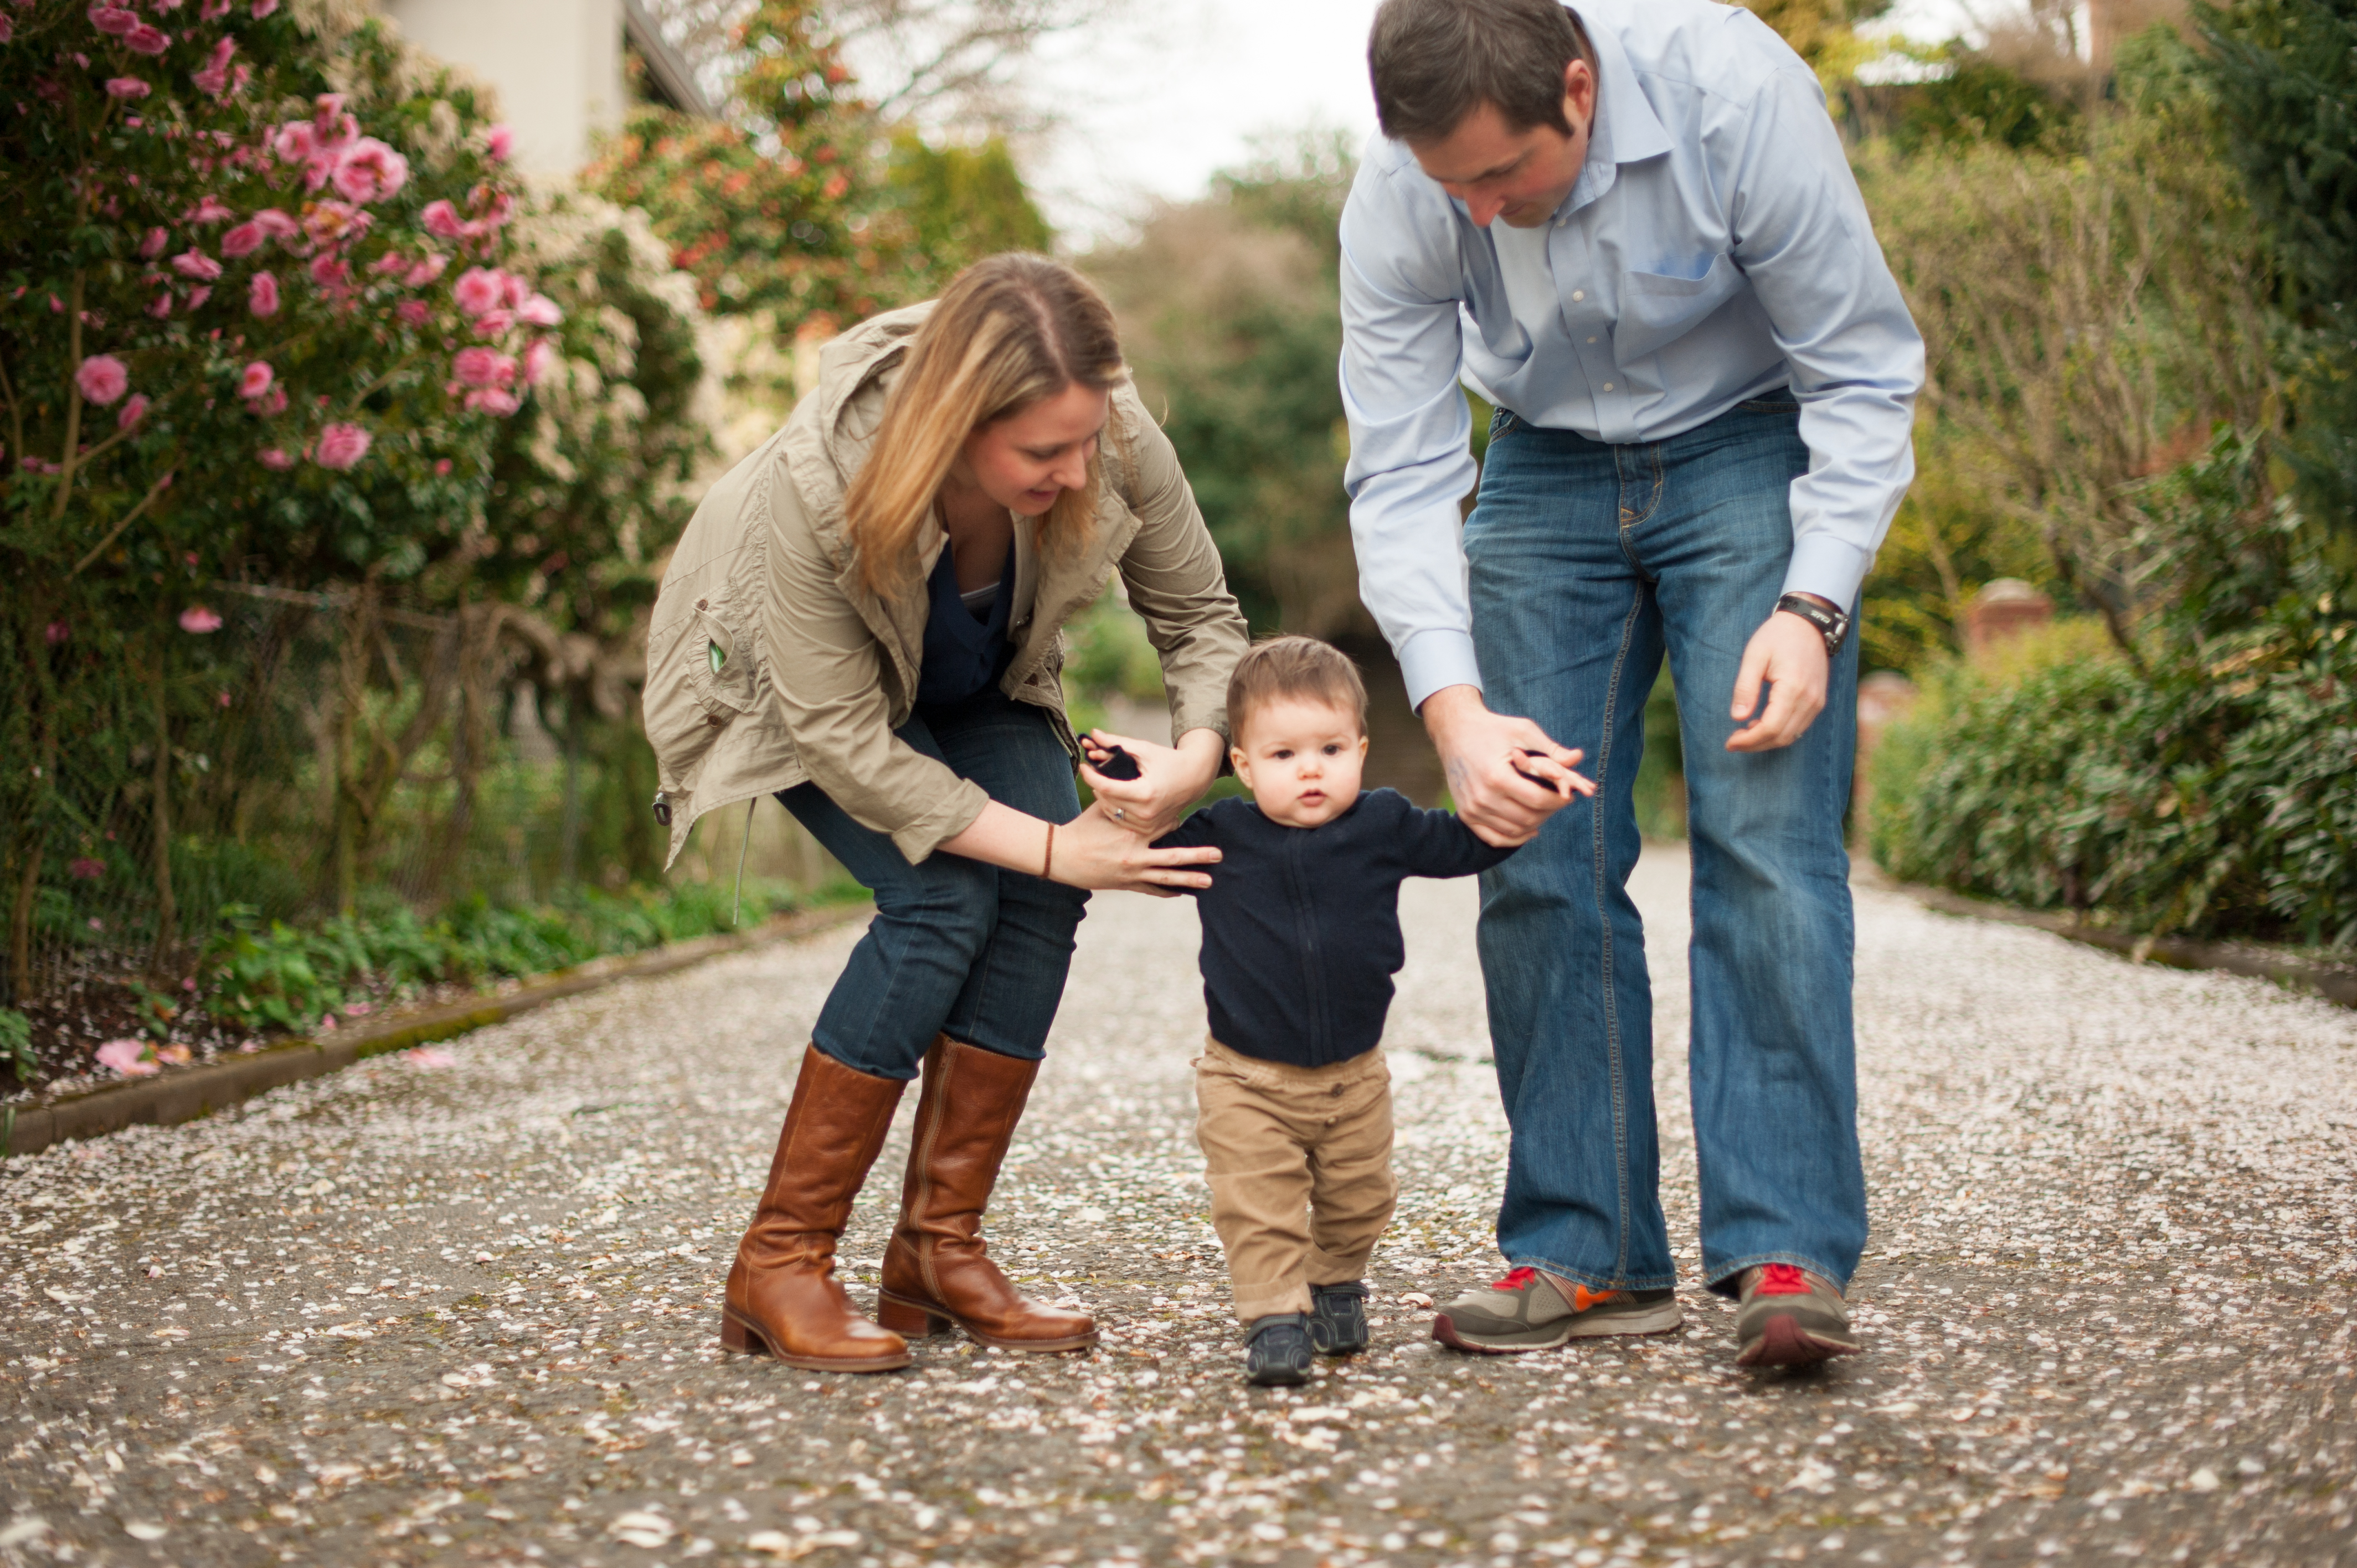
(1333, 748)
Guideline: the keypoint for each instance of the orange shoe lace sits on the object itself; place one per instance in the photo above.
(1516, 1279)
(1782, 1279)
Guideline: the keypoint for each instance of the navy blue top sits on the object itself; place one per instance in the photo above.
(1301, 932)
(965, 652)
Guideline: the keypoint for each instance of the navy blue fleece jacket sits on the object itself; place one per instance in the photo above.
(1301, 933)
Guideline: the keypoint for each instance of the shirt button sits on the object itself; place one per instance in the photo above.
(1578, 295)
(1591, 340)
(1607, 386)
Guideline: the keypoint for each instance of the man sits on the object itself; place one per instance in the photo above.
(1633, 229)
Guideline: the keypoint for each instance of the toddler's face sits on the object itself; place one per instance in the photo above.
(1301, 761)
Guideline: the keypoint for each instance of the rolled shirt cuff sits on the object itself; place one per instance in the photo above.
(1831, 568)
(1436, 658)
(915, 839)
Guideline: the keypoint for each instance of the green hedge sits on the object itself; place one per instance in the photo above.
(2212, 793)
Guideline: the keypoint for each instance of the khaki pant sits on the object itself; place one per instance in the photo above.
(1300, 1160)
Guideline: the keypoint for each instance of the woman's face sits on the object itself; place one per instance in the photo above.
(1026, 460)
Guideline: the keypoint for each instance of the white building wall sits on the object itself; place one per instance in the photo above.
(555, 64)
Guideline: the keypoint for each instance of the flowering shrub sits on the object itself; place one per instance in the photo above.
(230, 327)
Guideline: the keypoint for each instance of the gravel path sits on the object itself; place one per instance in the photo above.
(464, 1314)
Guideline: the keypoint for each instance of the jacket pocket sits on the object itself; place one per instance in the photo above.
(703, 663)
(1658, 308)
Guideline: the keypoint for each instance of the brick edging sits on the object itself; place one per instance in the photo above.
(186, 1093)
(2334, 982)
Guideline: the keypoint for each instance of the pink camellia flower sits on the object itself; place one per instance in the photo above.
(193, 263)
(207, 210)
(335, 223)
(7, 31)
(358, 1009)
(115, 21)
(294, 141)
(276, 225)
(478, 290)
(270, 404)
(332, 274)
(341, 446)
(255, 380)
(262, 294)
(413, 311)
(153, 245)
(127, 1057)
(537, 359)
(387, 264)
(494, 400)
(263, 7)
(133, 411)
(494, 323)
(161, 308)
(197, 297)
(514, 289)
(58, 632)
(441, 468)
(539, 310)
(83, 868)
(427, 271)
(213, 78)
(243, 241)
(146, 41)
(499, 141)
(199, 620)
(483, 367)
(103, 378)
(371, 171)
(126, 87)
(442, 220)
(275, 458)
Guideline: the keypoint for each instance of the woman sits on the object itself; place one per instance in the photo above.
(965, 477)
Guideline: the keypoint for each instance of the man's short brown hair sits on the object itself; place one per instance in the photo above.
(1299, 667)
(1433, 62)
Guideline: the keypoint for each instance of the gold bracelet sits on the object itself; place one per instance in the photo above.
(1049, 863)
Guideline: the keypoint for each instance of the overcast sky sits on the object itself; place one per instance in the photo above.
(1155, 104)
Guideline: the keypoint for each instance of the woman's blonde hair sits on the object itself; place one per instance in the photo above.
(1009, 330)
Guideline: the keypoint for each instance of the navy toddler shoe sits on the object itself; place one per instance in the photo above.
(1338, 1318)
(1277, 1351)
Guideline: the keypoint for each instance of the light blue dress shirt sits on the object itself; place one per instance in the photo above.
(1715, 247)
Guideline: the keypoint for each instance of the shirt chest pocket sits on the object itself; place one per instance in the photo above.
(1658, 308)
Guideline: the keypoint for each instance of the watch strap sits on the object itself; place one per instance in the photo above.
(1831, 625)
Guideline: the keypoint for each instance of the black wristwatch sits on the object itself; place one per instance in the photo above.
(1831, 625)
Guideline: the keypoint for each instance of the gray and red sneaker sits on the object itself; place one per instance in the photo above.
(1790, 1317)
(1527, 1310)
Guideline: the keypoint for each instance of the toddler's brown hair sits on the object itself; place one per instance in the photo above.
(1297, 667)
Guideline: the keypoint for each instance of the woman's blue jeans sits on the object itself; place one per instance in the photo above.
(957, 948)
(1589, 562)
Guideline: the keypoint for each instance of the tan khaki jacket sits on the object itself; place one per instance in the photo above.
(769, 665)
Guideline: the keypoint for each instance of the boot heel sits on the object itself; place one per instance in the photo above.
(909, 1320)
(737, 1337)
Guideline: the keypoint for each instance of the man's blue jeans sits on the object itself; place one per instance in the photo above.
(1589, 562)
(957, 948)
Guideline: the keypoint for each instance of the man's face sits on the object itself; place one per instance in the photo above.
(1518, 176)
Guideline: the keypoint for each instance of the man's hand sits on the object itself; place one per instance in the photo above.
(1505, 775)
(1789, 654)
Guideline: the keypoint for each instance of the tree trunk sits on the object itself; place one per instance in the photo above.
(167, 908)
(20, 923)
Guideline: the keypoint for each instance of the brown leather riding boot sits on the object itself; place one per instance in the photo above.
(783, 1298)
(935, 1272)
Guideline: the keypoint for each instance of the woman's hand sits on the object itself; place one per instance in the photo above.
(1170, 779)
(1093, 851)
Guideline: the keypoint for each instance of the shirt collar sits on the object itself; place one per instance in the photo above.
(1625, 129)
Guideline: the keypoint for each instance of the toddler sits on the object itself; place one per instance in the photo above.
(1301, 938)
